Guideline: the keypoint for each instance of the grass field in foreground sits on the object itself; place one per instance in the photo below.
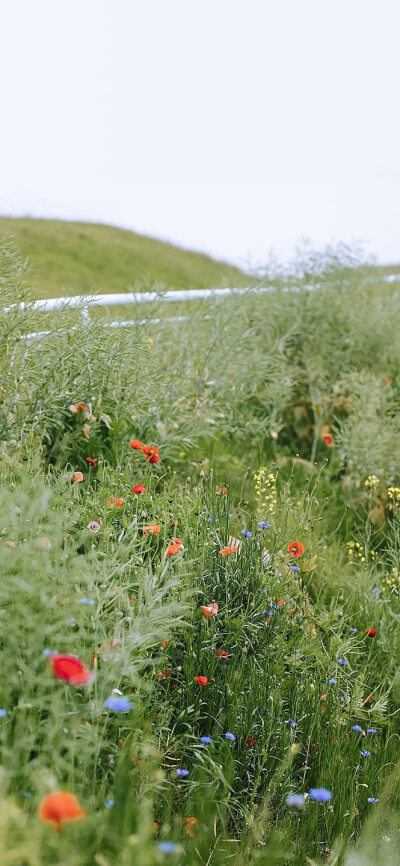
(198, 701)
(82, 258)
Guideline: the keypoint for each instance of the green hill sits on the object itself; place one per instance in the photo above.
(77, 258)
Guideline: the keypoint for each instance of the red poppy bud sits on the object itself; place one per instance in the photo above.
(202, 681)
(370, 632)
(91, 461)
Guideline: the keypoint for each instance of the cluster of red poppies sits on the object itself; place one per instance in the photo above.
(151, 452)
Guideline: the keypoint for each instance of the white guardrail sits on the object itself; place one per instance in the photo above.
(83, 302)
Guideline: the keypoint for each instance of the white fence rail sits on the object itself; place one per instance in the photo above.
(84, 302)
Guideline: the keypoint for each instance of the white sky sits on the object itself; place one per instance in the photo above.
(231, 126)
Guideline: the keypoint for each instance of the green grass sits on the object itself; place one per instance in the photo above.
(81, 258)
(256, 385)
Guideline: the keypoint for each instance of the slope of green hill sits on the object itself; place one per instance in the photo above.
(77, 258)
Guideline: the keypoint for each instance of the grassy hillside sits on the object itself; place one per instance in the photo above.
(78, 258)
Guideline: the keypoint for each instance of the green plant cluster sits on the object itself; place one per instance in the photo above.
(288, 667)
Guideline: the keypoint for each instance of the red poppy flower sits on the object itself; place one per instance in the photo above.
(77, 407)
(164, 644)
(164, 675)
(151, 528)
(209, 610)
(174, 546)
(77, 477)
(323, 697)
(119, 503)
(251, 741)
(281, 602)
(296, 548)
(202, 681)
(227, 550)
(371, 632)
(222, 654)
(138, 488)
(220, 490)
(151, 453)
(155, 458)
(328, 439)
(91, 461)
(71, 669)
(136, 445)
(190, 824)
(59, 807)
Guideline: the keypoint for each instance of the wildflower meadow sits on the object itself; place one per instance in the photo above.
(200, 530)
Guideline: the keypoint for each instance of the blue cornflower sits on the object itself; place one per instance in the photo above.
(246, 533)
(371, 730)
(87, 601)
(118, 704)
(49, 652)
(321, 795)
(365, 754)
(263, 524)
(210, 520)
(180, 772)
(373, 799)
(353, 630)
(357, 728)
(27, 794)
(290, 722)
(109, 803)
(342, 662)
(206, 740)
(270, 613)
(295, 568)
(295, 800)
(230, 736)
(3, 713)
(166, 847)
(375, 591)
(332, 682)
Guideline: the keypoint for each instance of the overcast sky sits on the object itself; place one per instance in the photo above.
(230, 126)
